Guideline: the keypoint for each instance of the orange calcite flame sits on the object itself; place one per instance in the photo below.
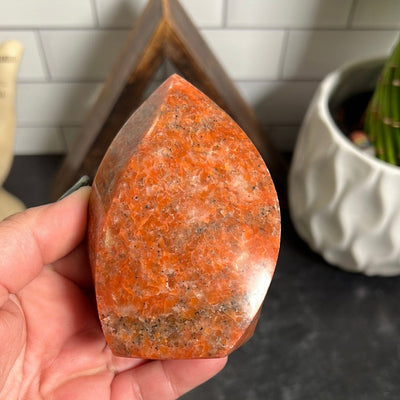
(184, 230)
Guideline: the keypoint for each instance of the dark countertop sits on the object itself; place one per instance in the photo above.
(323, 333)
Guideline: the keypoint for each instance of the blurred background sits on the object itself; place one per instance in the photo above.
(275, 51)
(324, 333)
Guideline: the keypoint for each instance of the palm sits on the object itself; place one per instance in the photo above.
(51, 343)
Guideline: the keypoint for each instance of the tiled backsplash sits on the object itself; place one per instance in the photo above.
(276, 51)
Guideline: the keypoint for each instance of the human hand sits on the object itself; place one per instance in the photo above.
(51, 343)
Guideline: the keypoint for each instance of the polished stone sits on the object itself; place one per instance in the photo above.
(323, 333)
(184, 230)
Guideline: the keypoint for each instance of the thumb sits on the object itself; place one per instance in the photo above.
(39, 236)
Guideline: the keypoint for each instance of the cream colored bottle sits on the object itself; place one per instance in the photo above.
(10, 57)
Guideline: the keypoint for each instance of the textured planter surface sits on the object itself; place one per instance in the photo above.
(344, 204)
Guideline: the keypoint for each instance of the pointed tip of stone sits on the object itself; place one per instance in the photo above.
(180, 197)
(176, 79)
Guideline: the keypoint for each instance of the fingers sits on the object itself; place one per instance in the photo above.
(75, 267)
(40, 236)
(165, 380)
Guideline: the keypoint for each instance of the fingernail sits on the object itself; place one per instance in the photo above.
(83, 181)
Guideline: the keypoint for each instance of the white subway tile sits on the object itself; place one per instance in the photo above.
(247, 54)
(82, 55)
(54, 104)
(121, 13)
(288, 13)
(205, 13)
(312, 54)
(31, 67)
(377, 14)
(70, 134)
(46, 13)
(38, 140)
(278, 103)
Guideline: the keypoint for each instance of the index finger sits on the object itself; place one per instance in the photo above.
(40, 236)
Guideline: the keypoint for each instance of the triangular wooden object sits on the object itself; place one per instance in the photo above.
(163, 31)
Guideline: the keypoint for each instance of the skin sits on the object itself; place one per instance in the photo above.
(51, 343)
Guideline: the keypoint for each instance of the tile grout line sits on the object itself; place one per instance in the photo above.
(206, 28)
(42, 56)
(350, 17)
(301, 29)
(279, 80)
(224, 14)
(95, 13)
(283, 54)
(63, 137)
(44, 125)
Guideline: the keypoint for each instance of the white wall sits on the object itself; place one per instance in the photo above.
(276, 51)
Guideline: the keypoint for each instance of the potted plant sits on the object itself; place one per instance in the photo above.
(343, 200)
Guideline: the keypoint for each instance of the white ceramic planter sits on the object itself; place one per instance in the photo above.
(343, 203)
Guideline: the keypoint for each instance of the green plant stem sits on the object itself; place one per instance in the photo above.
(382, 120)
(387, 117)
(396, 101)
